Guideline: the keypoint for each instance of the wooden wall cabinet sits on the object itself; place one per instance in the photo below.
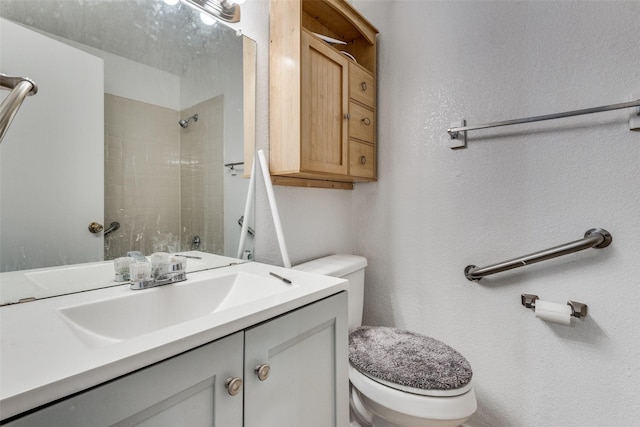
(322, 103)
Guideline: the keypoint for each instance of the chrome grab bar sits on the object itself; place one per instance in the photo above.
(595, 238)
(20, 87)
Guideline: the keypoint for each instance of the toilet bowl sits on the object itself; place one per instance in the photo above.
(425, 384)
(381, 405)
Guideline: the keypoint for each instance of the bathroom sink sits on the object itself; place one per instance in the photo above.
(141, 312)
(91, 275)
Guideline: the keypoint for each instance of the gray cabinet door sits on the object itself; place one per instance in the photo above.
(186, 390)
(306, 351)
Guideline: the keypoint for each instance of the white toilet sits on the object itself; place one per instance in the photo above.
(398, 378)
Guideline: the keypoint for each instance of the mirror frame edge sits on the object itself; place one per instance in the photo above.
(249, 52)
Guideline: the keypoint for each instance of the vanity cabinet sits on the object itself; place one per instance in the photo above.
(305, 350)
(186, 390)
(305, 353)
(322, 94)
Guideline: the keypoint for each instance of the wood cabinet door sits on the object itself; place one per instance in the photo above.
(308, 383)
(186, 390)
(324, 104)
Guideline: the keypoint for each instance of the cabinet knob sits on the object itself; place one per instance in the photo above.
(363, 86)
(233, 385)
(366, 121)
(347, 116)
(262, 371)
(363, 160)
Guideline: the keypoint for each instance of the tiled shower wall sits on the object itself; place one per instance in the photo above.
(143, 155)
(142, 177)
(201, 176)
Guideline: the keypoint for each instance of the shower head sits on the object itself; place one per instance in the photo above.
(185, 123)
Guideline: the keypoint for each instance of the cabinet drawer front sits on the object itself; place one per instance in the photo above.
(362, 124)
(362, 85)
(362, 160)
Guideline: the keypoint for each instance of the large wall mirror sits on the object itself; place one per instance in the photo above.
(139, 126)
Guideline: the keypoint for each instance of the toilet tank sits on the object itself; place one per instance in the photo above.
(349, 267)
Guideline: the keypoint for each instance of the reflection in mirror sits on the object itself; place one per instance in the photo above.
(141, 104)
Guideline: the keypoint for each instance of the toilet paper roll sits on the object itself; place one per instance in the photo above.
(553, 312)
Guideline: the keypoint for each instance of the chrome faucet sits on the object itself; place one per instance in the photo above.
(162, 270)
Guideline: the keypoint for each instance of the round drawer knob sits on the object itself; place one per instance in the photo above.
(366, 121)
(263, 371)
(363, 160)
(363, 86)
(233, 385)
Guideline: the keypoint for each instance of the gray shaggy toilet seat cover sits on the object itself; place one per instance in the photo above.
(408, 359)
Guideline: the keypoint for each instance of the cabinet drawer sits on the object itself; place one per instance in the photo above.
(362, 160)
(362, 124)
(362, 85)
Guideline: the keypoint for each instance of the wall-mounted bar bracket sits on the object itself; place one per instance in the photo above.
(458, 139)
(529, 300)
(634, 120)
(578, 309)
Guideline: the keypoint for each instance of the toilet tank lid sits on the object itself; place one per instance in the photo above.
(334, 265)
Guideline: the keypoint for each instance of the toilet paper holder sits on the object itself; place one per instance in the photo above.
(578, 309)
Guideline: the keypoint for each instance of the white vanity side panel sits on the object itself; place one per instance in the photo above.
(55, 142)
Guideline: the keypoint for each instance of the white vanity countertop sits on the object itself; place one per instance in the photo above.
(42, 359)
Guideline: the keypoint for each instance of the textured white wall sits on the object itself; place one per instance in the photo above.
(513, 191)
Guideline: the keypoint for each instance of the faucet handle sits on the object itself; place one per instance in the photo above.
(177, 263)
(159, 264)
(140, 274)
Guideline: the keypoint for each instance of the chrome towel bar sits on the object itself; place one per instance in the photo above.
(454, 132)
(20, 87)
(233, 165)
(595, 238)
